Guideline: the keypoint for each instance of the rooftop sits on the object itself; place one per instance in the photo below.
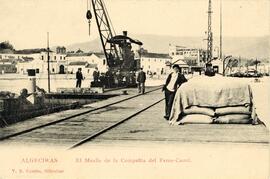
(79, 63)
(91, 65)
(156, 55)
(78, 54)
(98, 54)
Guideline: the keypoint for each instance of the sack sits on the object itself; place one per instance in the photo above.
(234, 119)
(196, 119)
(233, 110)
(199, 110)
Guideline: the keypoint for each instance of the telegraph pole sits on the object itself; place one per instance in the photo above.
(210, 34)
(48, 59)
(220, 40)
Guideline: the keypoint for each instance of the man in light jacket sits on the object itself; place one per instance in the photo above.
(173, 82)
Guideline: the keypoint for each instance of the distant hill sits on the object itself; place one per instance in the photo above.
(93, 46)
(250, 47)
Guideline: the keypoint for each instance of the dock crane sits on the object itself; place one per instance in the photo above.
(117, 48)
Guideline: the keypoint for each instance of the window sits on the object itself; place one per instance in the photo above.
(42, 57)
(104, 62)
(60, 57)
(54, 57)
(64, 58)
(149, 66)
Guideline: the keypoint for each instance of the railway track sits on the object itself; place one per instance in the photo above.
(89, 119)
(91, 137)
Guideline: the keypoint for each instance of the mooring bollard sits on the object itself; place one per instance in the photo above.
(32, 85)
(124, 92)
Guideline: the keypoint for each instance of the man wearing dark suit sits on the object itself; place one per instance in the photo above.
(173, 82)
(141, 81)
(79, 78)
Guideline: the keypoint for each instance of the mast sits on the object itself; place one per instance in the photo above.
(48, 59)
(210, 34)
(220, 41)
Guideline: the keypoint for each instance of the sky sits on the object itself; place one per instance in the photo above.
(25, 23)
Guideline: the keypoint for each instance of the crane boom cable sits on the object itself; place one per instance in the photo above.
(110, 21)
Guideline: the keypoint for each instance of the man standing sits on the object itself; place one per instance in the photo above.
(96, 75)
(79, 78)
(173, 82)
(141, 81)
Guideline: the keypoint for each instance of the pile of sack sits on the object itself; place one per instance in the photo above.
(222, 115)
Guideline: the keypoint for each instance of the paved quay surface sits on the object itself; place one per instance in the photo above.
(79, 127)
(152, 128)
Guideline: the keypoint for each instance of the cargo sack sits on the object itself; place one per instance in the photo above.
(200, 110)
(233, 110)
(196, 119)
(234, 119)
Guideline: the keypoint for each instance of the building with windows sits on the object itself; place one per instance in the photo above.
(14, 58)
(7, 66)
(87, 61)
(61, 50)
(194, 57)
(154, 63)
(39, 61)
(58, 63)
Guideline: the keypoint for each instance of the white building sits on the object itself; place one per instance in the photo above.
(39, 61)
(154, 62)
(58, 62)
(36, 64)
(87, 62)
(192, 56)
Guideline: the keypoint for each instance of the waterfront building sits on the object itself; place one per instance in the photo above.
(154, 63)
(39, 62)
(87, 62)
(7, 66)
(194, 57)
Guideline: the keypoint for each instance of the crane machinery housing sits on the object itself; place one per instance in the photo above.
(117, 48)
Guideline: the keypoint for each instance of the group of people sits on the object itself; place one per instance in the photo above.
(80, 77)
(173, 82)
